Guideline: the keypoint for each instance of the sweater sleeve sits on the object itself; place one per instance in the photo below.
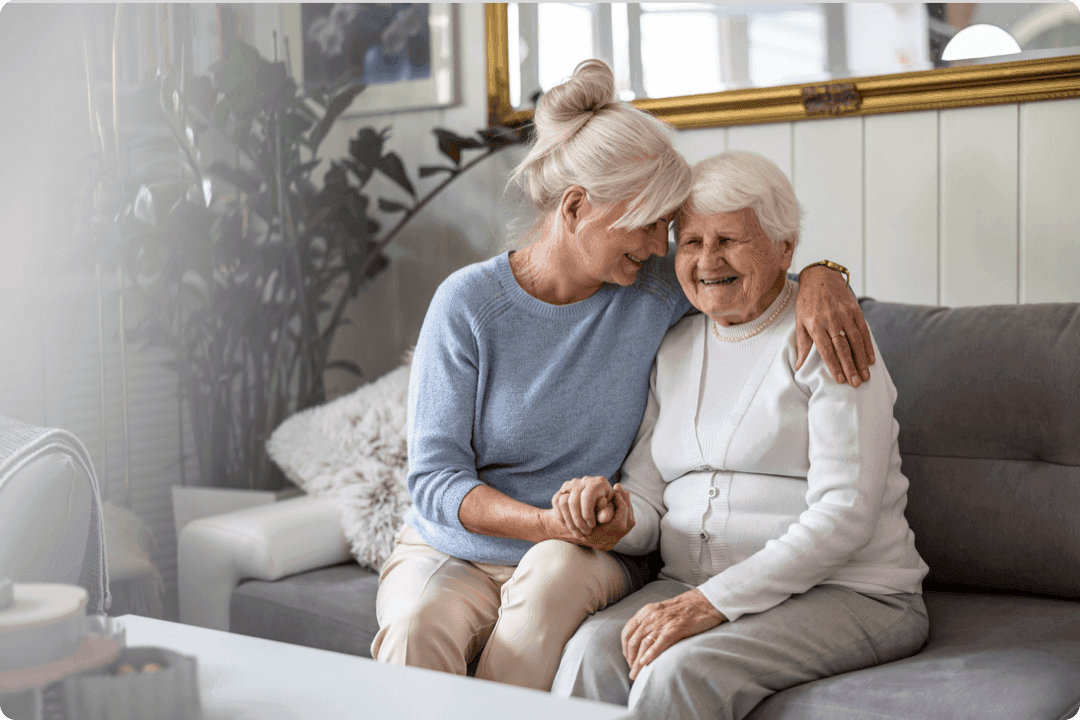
(643, 481)
(850, 440)
(442, 405)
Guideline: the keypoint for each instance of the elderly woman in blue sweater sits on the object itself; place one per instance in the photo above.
(774, 494)
(529, 382)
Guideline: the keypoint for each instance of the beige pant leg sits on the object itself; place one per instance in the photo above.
(435, 611)
(555, 587)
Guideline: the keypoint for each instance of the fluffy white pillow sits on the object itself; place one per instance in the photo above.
(353, 449)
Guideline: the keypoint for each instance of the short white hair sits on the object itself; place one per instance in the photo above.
(611, 149)
(731, 181)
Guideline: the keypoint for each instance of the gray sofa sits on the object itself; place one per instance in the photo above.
(989, 413)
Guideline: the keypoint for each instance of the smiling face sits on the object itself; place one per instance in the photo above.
(611, 254)
(728, 267)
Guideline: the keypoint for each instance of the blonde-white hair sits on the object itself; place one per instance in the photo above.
(731, 181)
(611, 149)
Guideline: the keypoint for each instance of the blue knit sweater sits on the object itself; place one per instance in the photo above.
(522, 395)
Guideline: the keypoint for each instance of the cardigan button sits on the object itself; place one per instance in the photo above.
(713, 492)
(704, 535)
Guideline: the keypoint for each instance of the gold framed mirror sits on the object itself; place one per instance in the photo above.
(1047, 74)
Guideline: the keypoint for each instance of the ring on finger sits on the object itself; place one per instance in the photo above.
(839, 334)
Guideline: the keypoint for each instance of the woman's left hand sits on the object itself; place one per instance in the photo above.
(828, 316)
(658, 626)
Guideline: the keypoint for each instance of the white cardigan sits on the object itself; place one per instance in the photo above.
(799, 483)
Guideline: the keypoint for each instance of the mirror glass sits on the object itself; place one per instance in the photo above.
(663, 50)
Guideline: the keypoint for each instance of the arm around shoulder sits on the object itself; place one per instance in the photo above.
(830, 319)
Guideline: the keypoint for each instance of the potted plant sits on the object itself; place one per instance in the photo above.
(243, 262)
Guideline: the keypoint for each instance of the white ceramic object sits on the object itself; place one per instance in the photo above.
(44, 636)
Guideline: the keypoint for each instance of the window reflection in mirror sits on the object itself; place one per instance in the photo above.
(660, 50)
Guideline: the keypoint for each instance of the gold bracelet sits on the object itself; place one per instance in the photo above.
(834, 266)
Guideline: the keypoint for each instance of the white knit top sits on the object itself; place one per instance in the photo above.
(758, 481)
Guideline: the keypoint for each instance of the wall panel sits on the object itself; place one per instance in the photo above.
(773, 141)
(978, 205)
(829, 184)
(696, 145)
(1050, 201)
(901, 207)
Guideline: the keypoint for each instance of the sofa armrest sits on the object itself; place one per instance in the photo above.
(265, 542)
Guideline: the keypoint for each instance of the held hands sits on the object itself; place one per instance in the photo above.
(589, 511)
(658, 626)
(829, 317)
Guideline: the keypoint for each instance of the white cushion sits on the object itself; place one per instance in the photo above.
(352, 450)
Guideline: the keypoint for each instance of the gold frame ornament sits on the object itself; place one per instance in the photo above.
(1006, 82)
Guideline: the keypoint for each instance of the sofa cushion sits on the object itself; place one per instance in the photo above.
(332, 608)
(989, 656)
(1006, 525)
(997, 381)
(987, 402)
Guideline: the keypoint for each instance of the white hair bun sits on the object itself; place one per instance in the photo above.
(585, 137)
(589, 90)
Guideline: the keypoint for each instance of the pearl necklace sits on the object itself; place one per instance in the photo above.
(778, 307)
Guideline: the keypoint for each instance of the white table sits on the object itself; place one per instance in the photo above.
(244, 678)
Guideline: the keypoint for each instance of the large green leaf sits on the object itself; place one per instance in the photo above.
(391, 206)
(366, 151)
(202, 96)
(499, 136)
(293, 126)
(276, 89)
(236, 76)
(242, 179)
(222, 112)
(451, 144)
(298, 171)
(338, 104)
(391, 166)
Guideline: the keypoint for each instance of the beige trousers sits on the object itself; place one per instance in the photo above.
(436, 611)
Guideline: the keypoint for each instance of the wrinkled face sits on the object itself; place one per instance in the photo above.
(611, 254)
(728, 267)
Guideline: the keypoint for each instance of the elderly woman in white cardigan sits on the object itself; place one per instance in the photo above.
(774, 494)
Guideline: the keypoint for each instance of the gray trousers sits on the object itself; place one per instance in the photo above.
(725, 672)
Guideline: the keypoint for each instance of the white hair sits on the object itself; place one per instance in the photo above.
(611, 149)
(731, 181)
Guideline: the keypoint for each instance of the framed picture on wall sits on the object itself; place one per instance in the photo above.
(404, 52)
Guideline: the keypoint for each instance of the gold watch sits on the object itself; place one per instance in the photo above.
(834, 266)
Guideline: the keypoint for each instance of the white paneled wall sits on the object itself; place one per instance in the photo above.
(979, 205)
(772, 141)
(1049, 204)
(972, 206)
(900, 191)
(827, 174)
